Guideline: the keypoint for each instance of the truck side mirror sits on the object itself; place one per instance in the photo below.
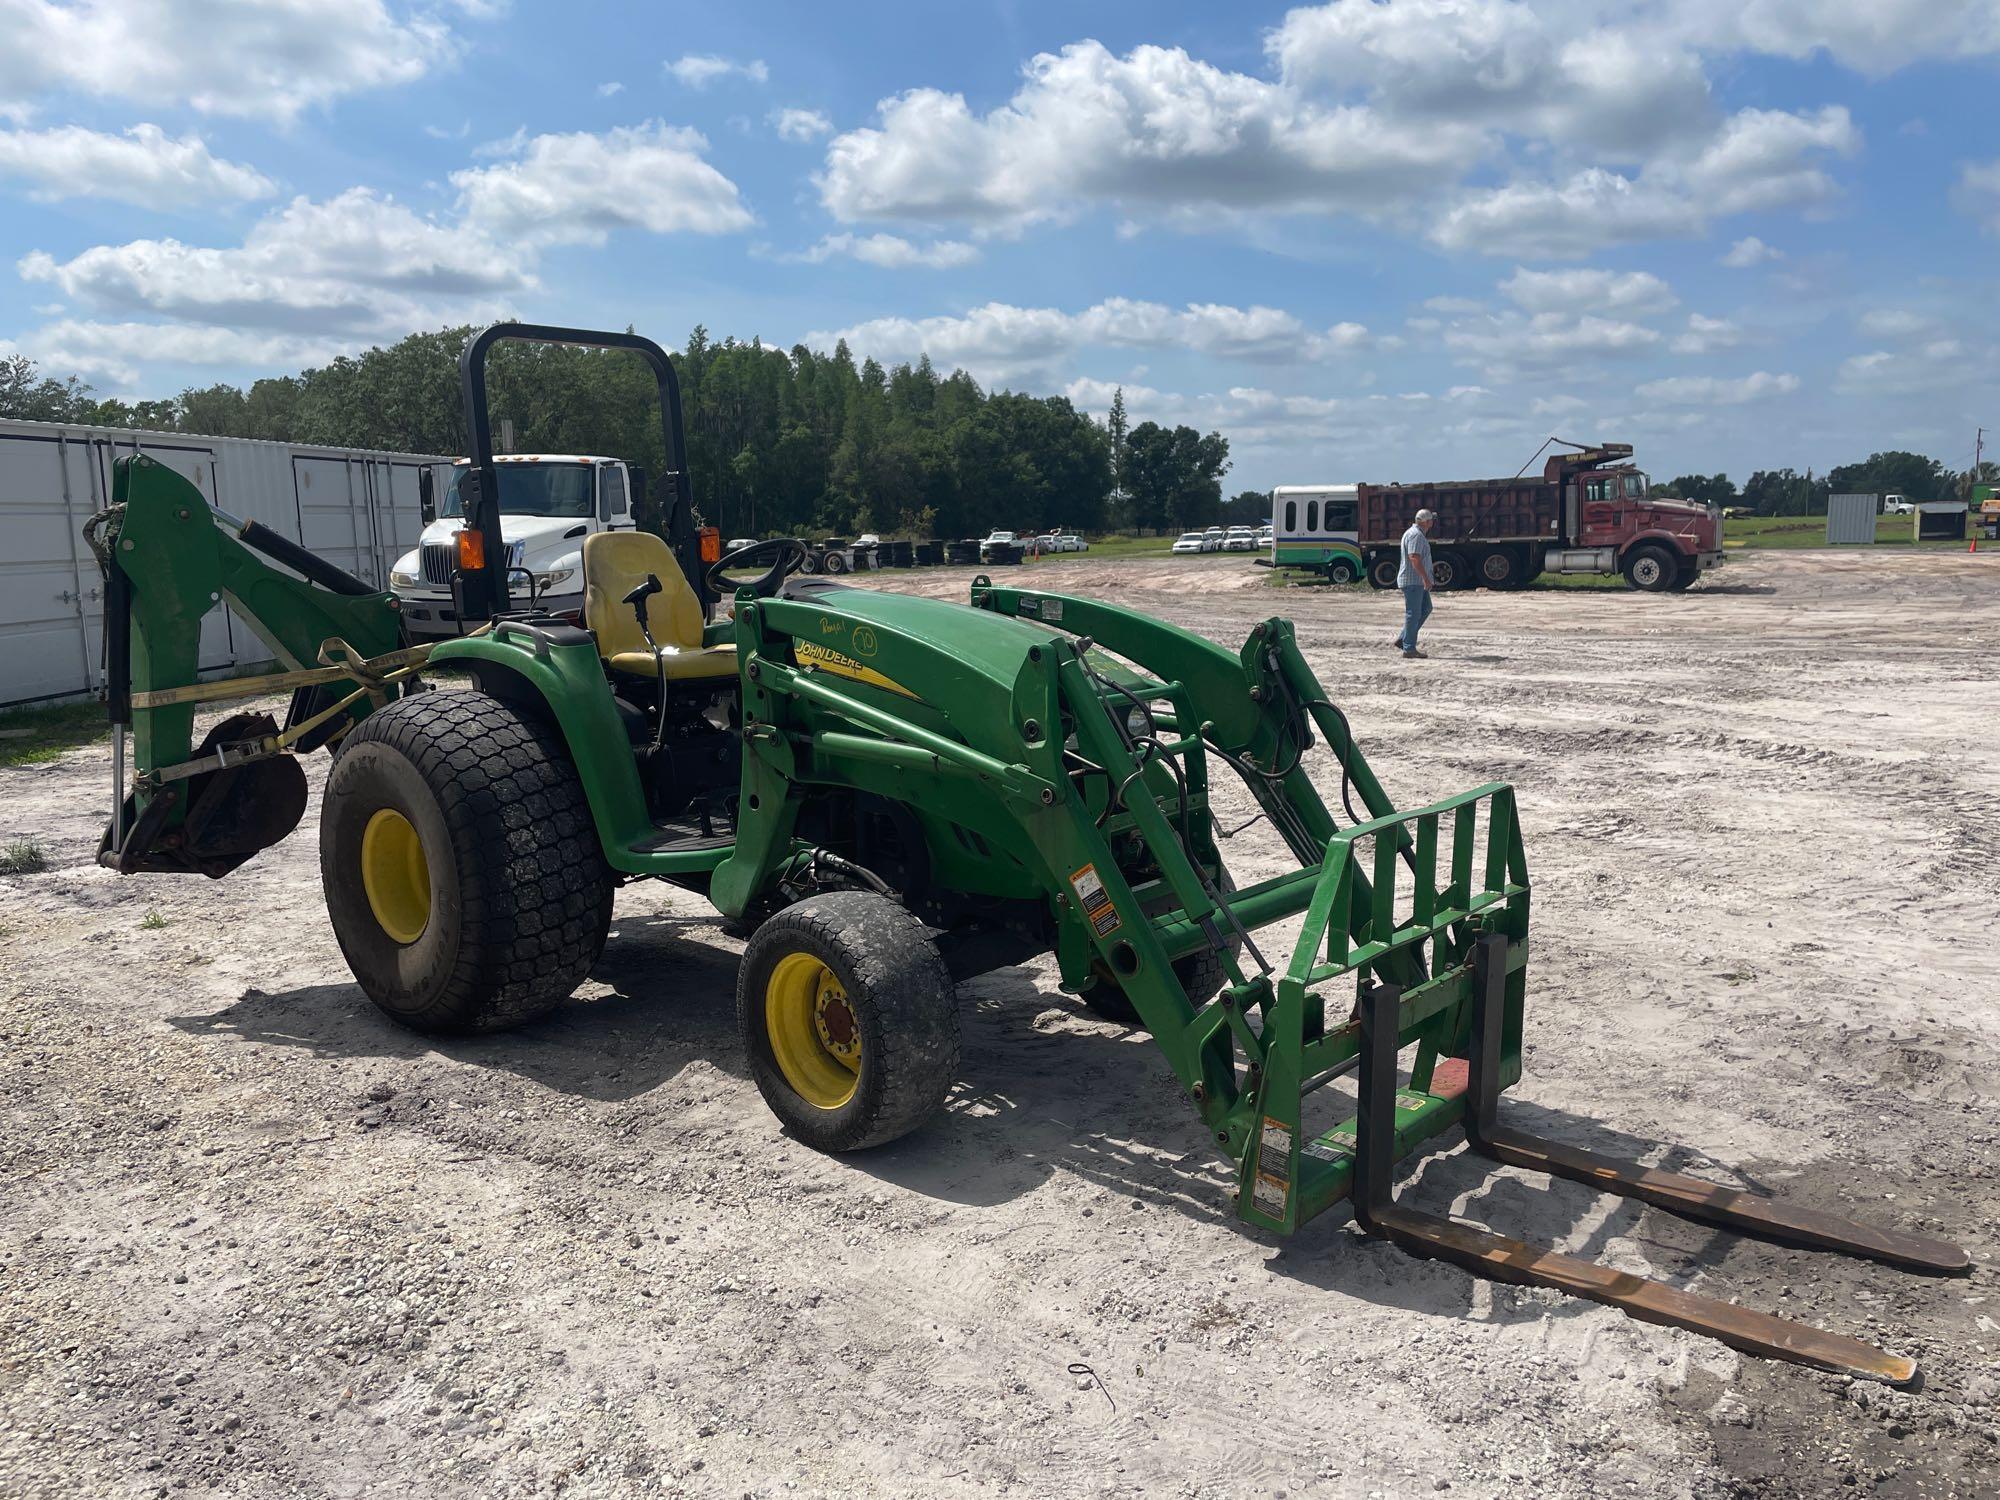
(427, 494)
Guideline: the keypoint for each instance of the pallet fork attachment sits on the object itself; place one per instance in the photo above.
(1516, 1261)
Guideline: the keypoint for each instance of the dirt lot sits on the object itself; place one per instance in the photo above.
(258, 1242)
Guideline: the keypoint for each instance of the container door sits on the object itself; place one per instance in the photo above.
(335, 517)
(49, 585)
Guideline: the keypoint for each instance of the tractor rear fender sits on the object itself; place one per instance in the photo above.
(562, 682)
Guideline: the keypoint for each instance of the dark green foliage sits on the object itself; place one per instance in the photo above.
(1703, 489)
(1173, 477)
(1247, 508)
(1909, 474)
(779, 442)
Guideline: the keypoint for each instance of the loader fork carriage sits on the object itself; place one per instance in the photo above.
(1415, 936)
(979, 785)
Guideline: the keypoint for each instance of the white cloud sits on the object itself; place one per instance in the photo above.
(1759, 160)
(357, 263)
(1556, 406)
(610, 90)
(1978, 193)
(1543, 71)
(1706, 335)
(144, 166)
(1938, 364)
(800, 126)
(219, 57)
(117, 351)
(1895, 323)
(1750, 251)
(1632, 292)
(1508, 343)
(577, 188)
(1870, 36)
(1154, 132)
(999, 341)
(891, 251)
(1713, 390)
(699, 70)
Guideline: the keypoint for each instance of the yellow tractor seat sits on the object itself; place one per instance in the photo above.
(615, 563)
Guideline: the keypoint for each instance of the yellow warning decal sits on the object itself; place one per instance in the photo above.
(818, 658)
(1095, 901)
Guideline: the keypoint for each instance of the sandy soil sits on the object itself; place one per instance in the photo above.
(257, 1241)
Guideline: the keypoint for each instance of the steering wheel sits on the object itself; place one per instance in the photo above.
(791, 557)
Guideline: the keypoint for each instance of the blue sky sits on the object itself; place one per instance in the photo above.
(1365, 239)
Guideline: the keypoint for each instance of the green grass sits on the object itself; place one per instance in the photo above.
(1760, 532)
(152, 922)
(34, 736)
(22, 857)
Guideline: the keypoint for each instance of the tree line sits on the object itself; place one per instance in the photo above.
(779, 442)
(1786, 492)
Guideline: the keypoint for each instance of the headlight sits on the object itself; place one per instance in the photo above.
(402, 580)
(555, 578)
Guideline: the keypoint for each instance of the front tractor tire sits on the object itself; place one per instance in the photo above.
(849, 1019)
(1651, 570)
(462, 869)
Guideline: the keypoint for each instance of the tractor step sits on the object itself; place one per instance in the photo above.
(1487, 1254)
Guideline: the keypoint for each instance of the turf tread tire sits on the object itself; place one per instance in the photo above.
(522, 910)
(904, 1003)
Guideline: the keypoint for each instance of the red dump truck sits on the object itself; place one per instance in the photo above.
(1589, 512)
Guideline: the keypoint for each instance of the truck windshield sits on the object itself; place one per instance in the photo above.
(533, 490)
(1635, 486)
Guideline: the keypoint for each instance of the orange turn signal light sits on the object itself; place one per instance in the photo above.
(711, 544)
(471, 551)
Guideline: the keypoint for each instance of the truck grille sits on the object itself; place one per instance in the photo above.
(439, 559)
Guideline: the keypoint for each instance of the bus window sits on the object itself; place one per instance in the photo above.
(1340, 515)
(1312, 515)
(1291, 516)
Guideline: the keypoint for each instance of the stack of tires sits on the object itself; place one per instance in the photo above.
(928, 554)
(898, 554)
(962, 553)
(1001, 554)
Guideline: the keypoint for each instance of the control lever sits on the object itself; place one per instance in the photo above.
(637, 599)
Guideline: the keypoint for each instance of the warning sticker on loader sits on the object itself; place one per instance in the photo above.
(1269, 1193)
(1331, 1148)
(1095, 901)
(1274, 1148)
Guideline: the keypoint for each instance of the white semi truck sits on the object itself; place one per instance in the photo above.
(549, 502)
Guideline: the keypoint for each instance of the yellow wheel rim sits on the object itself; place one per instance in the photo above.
(395, 875)
(815, 1034)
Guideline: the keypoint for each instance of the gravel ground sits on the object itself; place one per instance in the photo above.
(256, 1241)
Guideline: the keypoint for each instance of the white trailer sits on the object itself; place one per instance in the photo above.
(357, 507)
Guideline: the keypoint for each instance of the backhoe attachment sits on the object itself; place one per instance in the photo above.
(169, 558)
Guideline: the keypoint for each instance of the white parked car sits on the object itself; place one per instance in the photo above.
(1045, 544)
(738, 543)
(1240, 539)
(1193, 541)
(1069, 541)
(549, 502)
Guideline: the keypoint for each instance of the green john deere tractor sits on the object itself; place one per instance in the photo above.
(889, 794)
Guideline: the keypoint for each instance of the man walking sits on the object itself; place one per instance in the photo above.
(1413, 577)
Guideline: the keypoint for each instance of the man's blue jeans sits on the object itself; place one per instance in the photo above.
(1416, 610)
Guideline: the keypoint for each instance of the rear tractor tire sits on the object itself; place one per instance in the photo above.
(849, 1019)
(462, 869)
(1651, 570)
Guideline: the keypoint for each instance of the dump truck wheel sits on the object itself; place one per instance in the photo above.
(1689, 575)
(1650, 569)
(462, 869)
(1382, 571)
(849, 1018)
